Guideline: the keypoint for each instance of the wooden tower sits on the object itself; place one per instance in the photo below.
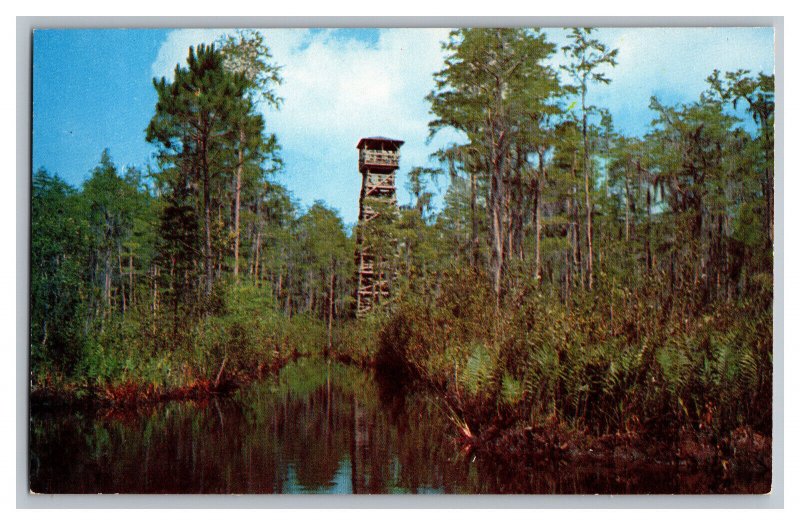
(378, 160)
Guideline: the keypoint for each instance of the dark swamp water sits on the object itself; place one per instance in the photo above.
(313, 428)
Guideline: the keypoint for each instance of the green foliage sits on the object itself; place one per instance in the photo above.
(511, 390)
(479, 371)
(640, 370)
(357, 341)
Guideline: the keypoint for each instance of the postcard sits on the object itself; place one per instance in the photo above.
(518, 260)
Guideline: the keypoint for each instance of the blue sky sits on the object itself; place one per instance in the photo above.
(92, 89)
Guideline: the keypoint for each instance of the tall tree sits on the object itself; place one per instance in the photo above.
(246, 52)
(588, 56)
(194, 119)
(481, 92)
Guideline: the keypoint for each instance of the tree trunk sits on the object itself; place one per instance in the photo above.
(257, 257)
(237, 199)
(496, 262)
(627, 210)
(508, 227)
(310, 296)
(330, 310)
(537, 215)
(537, 221)
(130, 277)
(209, 260)
(122, 284)
(647, 255)
(289, 294)
(474, 241)
(567, 278)
(586, 178)
(514, 208)
(107, 283)
(576, 226)
(155, 293)
(769, 175)
(497, 200)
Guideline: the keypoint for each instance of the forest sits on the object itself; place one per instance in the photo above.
(577, 285)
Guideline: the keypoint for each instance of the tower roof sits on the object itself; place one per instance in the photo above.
(379, 142)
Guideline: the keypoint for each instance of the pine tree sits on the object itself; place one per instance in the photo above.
(196, 115)
(245, 52)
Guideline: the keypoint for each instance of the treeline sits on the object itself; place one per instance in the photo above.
(578, 273)
(191, 258)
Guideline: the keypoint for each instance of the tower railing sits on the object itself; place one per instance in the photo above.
(378, 158)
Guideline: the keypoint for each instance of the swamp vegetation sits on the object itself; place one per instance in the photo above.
(581, 296)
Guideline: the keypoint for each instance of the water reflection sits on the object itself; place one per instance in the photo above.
(314, 428)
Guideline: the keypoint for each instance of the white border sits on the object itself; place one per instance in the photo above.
(20, 279)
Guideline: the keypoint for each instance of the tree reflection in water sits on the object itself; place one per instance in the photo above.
(316, 427)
